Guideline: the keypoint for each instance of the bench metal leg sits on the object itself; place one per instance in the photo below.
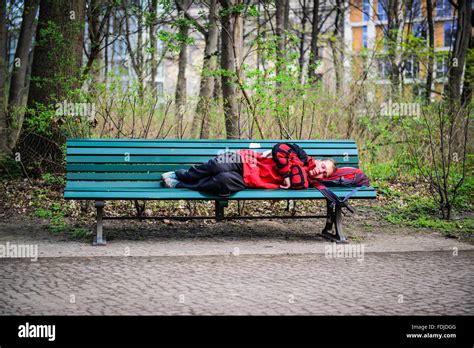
(334, 218)
(99, 239)
(329, 219)
(220, 205)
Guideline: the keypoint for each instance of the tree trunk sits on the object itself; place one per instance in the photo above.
(468, 74)
(336, 45)
(19, 84)
(397, 14)
(238, 38)
(281, 27)
(56, 68)
(302, 41)
(180, 94)
(458, 58)
(140, 54)
(54, 60)
(154, 61)
(429, 70)
(135, 50)
(96, 55)
(217, 93)
(201, 120)
(228, 65)
(3, 78)
(313, 56)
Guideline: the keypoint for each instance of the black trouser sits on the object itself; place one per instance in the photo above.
(222, 175)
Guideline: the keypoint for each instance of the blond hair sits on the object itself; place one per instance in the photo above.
(334, 163)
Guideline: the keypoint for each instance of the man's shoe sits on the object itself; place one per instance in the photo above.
(171, 183)
(170, 175)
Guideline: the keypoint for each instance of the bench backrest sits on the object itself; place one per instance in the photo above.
(145, 160)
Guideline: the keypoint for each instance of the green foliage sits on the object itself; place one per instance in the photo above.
(409, 216)
(80, 233)
(9, 168)
(253, 11)
(55, 214)
(411, 207)
(52, 179)
(41, 119)
(465, 198)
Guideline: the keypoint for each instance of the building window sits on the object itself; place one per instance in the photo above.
(120, 47)
(413, 9)
(159, 87)
(366, 10)
(385, 37)
(382, 6)
(384, 68)
(412, 68)
(419, 30)
(449, 30)
(441, 65)
(443, 8)
(364, 36)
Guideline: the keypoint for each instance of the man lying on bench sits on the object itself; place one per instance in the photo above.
(285, 166)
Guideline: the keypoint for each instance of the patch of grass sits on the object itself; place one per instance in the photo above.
(452, 228)
(381, 171)
(57, 222)
(386, 189)
(55, 214)
(43, 213)
(53, 179)
(465, 198)
(409, 206)
(421, 212)
(356, 239)
(80, 233)
(367, 226)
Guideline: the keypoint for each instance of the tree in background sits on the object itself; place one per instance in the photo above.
(314, 56)
(13, 105)
(230, 62)
(3, 78)
(460, 51)
(181, 93)
(56, 71)
(208, 80)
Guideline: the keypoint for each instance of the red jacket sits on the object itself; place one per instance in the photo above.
(262, 172)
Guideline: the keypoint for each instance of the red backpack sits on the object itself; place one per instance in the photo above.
(346, 177)
(342, 177)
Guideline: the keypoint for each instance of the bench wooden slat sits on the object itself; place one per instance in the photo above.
(131, 185)
(145, 168)
(177, 194)
(171, 140)
(192, 152)
(164, 159)
(243, 145)
(81, 167)
(113, 176)
(104, 185)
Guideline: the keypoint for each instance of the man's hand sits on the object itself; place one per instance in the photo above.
(286, 184)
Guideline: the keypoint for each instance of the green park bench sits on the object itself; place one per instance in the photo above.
(130, 169)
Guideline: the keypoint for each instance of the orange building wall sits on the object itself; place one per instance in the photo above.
(439, 34)
(356, 13)
(357, 39)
